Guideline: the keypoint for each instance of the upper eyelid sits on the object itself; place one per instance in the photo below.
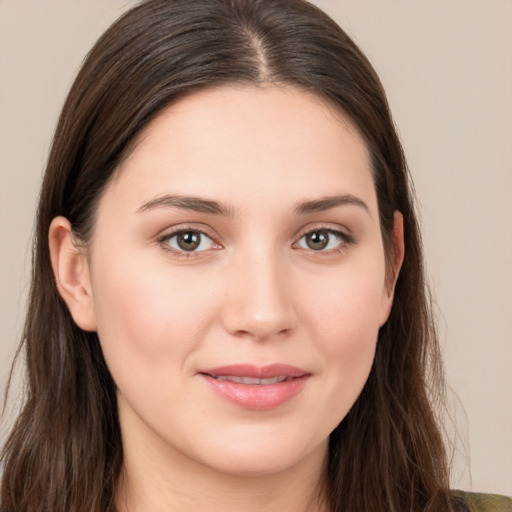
(323, 226)
(344, 235)
(175, 230)
(163, 239)
(216, 238)
(165, 235)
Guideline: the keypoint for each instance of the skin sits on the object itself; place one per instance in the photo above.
(254, 292)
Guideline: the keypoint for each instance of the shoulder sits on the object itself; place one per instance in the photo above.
(481, 502)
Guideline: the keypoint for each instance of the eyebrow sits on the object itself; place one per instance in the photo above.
(196, 204)
(203, 205)
(326, 203)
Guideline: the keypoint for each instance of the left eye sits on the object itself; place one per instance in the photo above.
(321, 240)
(189, 241)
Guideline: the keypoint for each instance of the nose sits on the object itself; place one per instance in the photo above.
(260, 302)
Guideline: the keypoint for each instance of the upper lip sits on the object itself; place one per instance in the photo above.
(259, 372)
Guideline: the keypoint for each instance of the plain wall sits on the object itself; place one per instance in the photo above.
(447, 68)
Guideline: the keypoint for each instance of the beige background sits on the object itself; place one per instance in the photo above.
(447, 68)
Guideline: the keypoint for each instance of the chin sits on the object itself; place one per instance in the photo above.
(260, 459)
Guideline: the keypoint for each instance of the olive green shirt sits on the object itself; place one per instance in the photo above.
(480, 502)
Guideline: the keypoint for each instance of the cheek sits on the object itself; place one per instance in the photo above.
(148, 317)
(344, 315)
(349, 339)
(347, 306)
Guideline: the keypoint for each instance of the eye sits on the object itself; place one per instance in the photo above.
(322, 240)
(189, 240)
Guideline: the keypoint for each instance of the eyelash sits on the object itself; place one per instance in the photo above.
(164, 242)
(344, 238)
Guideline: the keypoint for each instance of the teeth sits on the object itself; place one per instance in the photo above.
(251, 380)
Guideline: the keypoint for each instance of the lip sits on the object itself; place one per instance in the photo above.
(257, 396)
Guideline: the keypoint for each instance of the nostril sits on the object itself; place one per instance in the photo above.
(259, 309)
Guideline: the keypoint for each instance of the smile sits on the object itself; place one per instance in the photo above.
(256, 388)
(251, 380)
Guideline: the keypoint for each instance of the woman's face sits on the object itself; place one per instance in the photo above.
(238, 279)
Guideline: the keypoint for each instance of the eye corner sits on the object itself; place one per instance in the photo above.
(324, 240)
(188, 242)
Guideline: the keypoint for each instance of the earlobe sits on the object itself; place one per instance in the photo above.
(396, 259)
(71, 271)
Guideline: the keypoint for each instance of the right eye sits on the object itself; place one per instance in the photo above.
(188, 241)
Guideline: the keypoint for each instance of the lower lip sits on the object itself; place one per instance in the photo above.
(260, 397)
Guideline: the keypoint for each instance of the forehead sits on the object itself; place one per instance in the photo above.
(245, 141)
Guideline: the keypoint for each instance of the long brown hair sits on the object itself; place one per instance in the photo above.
(65, 450)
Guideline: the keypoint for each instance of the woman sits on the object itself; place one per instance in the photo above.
(228, 308)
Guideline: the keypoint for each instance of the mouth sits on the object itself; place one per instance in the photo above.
(255, 387)
(251, 380)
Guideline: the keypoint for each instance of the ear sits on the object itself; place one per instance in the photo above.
(71, 271)
(396, 259)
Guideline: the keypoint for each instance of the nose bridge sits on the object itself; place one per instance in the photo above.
(260, 302)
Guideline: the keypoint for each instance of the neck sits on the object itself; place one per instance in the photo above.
(157, 478)
(185, 493)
